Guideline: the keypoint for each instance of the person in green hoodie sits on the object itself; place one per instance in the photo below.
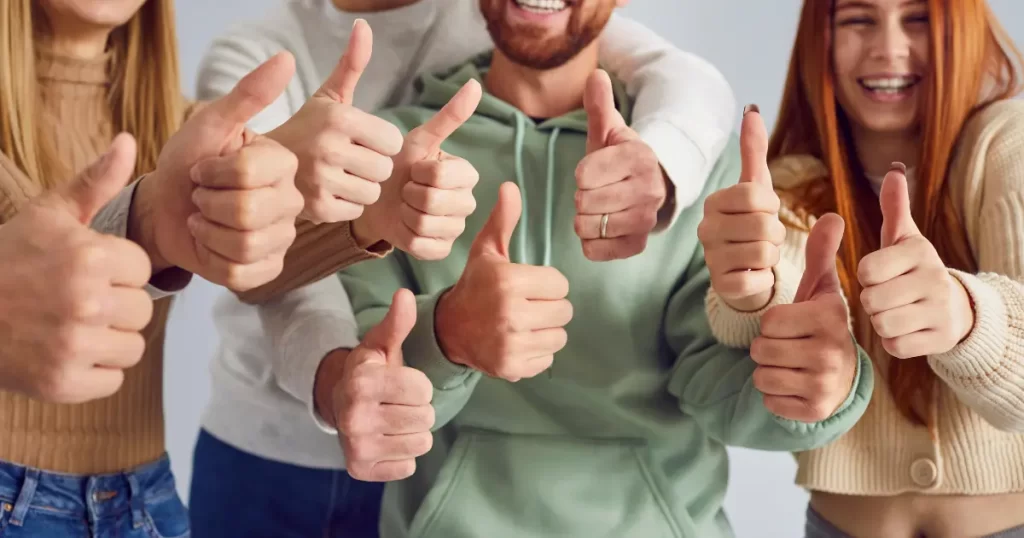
(569, 397)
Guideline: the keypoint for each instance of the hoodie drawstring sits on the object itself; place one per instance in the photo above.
(549, 214)
(522, 231)
(549, 194)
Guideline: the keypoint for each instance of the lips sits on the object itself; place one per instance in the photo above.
(889, 85)
(542, 7)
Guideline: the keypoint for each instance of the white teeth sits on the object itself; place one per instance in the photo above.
(889, 84)
(542, 6)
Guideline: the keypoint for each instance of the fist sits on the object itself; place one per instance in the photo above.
(424, 205)
(73, 300)
(620, 184)
(222, 202)
(503, 319)
(381, 407)
(805, 354)
(916, 306)
(344, 153)
(741, 231)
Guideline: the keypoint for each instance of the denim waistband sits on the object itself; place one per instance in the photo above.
(88, 496)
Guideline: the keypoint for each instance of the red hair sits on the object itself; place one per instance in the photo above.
(968, 48)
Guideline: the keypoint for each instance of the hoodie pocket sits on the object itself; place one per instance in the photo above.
(505, 486)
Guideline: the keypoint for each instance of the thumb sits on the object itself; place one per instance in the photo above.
(894, 197)
(428, 137)
(496, 235)
(98, 184)
(252, 94)
(389, 335)
(602, 117)
(754, 148)
(341, 85)
(820, 275)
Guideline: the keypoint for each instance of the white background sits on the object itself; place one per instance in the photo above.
(748, 40)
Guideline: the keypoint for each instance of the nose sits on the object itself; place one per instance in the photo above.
(891, 40)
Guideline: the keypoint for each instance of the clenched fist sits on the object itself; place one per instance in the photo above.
(807, 361)
(423, 206)
(222, 202)
(916, 306)
(503, 319)
(72, 301)
(380, 406)
(344, 153)
(620, 184)
(741, 231)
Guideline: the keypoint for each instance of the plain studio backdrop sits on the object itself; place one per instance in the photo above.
(748, 40)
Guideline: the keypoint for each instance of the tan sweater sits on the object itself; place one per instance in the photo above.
(979, 447)
(126, 429)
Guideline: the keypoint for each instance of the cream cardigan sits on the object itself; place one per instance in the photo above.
(979, 447)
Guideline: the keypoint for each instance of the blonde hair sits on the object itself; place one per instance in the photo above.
(145, 94)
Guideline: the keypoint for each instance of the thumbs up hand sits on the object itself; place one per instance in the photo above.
(916, 306)
(621, 186)
(233, 190)
(503, 319)
(73, 301)
(380, 406)
(423, 206)
(741, 231)
(344, 153)
(806, 357)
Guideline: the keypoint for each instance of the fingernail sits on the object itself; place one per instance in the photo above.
(355, 23)
(193, 173)
(751, 108)
(195, 196)
(897, 166)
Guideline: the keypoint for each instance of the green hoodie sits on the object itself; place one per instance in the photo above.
(626, 435)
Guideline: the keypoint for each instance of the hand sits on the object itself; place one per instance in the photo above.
(233, 190)
(620, 177)
(503, 319)
(423, 206)
(381, 407)
(344, 153)
(806, 357)
(741, 231)
(916, 306)
(72, 300)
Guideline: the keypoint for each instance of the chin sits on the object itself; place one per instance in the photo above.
(105, 13)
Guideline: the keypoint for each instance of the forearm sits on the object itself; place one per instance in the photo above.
(319, 250)
(986, 370)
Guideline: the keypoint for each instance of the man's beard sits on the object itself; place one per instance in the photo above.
(526, 46)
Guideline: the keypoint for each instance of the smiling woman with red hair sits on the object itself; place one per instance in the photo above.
(932, 261)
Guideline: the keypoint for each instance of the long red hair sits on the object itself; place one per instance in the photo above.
(969, 51)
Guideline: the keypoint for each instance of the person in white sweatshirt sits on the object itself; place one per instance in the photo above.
(263, 451)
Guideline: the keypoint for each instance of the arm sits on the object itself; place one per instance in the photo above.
(714, 383)
(305, 326)
(986, 370)
(370, 286)
(684, 107)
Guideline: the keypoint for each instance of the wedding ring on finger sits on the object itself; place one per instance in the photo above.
(604, 226)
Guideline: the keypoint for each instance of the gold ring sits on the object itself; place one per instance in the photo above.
(604, 226)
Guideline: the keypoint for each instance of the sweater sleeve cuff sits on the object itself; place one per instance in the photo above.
(112, 219)
(984, 349)
(422, 351)
(303, 347)
(737, 329)
(684, 164)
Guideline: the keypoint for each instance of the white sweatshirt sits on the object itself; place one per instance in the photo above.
(263, 373)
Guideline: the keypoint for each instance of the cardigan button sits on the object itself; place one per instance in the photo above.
(924, 472)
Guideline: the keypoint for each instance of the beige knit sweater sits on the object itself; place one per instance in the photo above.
(978, 448)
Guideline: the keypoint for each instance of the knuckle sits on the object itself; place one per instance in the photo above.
(361, 388)
(337, 117)
(360, 449)
(421, 443)
(86, 259)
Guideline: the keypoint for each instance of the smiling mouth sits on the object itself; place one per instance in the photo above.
(889, 85)
(542, 7)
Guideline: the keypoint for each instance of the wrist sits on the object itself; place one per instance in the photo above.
(363, 232)
(752, 303)
(445, 325)
(670, 191)
(328, 376)
(142, 222)
(966, 309)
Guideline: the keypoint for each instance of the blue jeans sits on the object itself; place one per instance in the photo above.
(139, 503)
(235, 493)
